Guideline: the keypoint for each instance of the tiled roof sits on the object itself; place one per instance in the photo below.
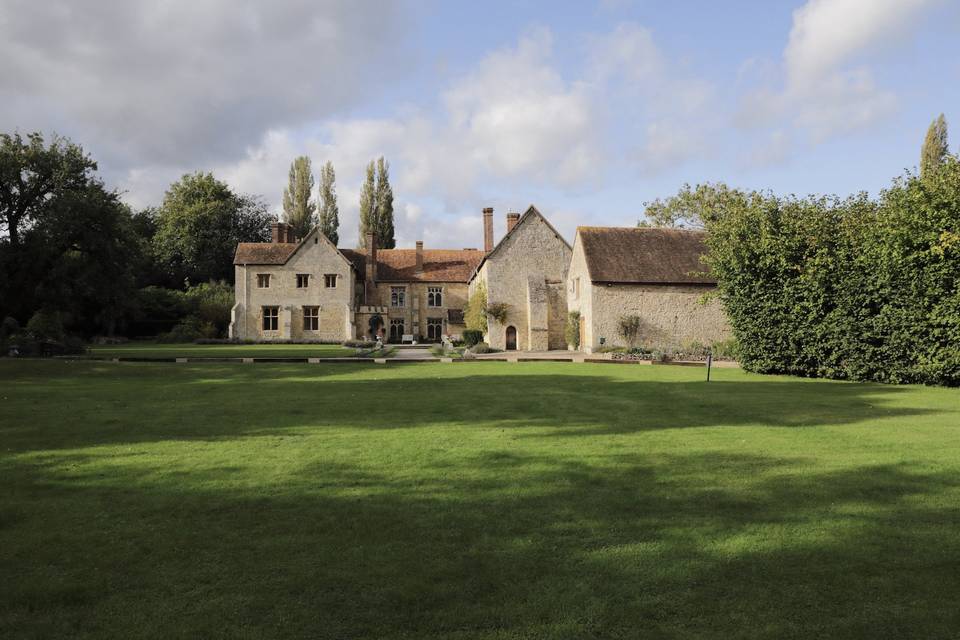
(264, 252)
(400, 265)
(644, 255)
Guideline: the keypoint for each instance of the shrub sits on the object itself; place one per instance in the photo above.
(360, 344)
(725, 349)
(483, 347)
(189, 329)
(571, 332)
(46, 325)
(475, 314)
(498, 311)
(472, 337)
(629, 328)
(211, 302)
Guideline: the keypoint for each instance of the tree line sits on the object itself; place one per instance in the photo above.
(76, 260)
(852, 288)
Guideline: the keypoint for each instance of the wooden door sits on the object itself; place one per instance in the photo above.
(511, 338)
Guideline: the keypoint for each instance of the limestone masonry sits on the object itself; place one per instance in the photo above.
(307, 289)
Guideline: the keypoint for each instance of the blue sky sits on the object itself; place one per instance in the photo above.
(585, 109)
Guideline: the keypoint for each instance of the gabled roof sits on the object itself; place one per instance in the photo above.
(400, 265)
(644, 255)
(276, 253)
(531, 212)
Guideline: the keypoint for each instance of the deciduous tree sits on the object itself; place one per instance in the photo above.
(298, 205)
(329, 211)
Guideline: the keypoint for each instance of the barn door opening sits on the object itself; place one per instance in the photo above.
(511, 338)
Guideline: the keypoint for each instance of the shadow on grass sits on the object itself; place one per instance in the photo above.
(509, 546)
(105, 406)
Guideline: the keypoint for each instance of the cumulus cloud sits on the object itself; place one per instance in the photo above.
(821, 92)
(184, 82)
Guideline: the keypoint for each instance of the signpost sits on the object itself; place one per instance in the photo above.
(709, 364)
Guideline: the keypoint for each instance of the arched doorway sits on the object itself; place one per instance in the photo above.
(511, 338)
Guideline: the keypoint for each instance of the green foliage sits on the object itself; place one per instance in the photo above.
(692, 207)
(211, 303)
(628, 327)
(384, 207)
(199, 225)
(935, 147)
(46, 325)
(368, 205)
(483, 347)
(498, 311)
(472, 337)
(571, 330)
(298, 206)
(846, 288)
(475, 314)
(329, 215)
(34, 176)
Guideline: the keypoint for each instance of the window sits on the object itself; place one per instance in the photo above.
(311, 318)
(330, 280)
(434, 329)
(303, 280)
(271, 317)
(398, 296)
(434, 296)
(263, 280)
(396, 329)
(576, 288)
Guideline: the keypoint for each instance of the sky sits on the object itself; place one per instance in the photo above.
(587, 110)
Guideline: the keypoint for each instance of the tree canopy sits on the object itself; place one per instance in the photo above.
(329, 216)
(199, 225)
(298, 205)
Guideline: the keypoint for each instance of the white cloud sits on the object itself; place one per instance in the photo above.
(181, 82)
(821, 93)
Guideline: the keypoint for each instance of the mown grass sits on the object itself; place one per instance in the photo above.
(473, 500)
(158, 350)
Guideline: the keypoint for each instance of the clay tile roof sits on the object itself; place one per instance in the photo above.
(439, 265)
(644, 255)
(264, 252)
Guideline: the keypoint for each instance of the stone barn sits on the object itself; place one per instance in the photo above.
(654, 276)
(526, 272)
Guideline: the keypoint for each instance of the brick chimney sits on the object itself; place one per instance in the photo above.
(488, 229)
(512, 219)
(419, 256)
(281, 232)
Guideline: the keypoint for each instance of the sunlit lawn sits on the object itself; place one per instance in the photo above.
(472, 500)
(155, 350)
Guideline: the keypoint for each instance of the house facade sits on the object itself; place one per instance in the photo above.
(309, 290)
(654, 276)
(525, 272)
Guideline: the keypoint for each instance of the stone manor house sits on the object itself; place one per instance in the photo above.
(308, 289)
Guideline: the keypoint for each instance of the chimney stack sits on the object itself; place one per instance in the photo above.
(419, 256)
(281, 232)
(512, 219)
(488, 229)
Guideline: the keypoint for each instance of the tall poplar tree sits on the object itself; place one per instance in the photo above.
(368, 206)
(329, 212)
(384, 206)
(298, 208)
(935, 147)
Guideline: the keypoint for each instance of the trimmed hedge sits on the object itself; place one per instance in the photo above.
(850, 289)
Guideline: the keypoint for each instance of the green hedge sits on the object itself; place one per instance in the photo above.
(852, 289)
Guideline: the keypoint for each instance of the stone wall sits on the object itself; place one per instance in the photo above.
(579, 299)
(672, 315)
(336, 304)
(415, 311)
(533, 249)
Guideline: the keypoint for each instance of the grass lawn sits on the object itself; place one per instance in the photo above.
(472, 500)
(157, 350)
